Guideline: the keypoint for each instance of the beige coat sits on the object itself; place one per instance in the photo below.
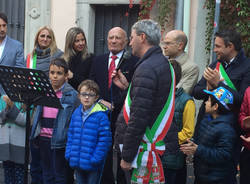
(190, 73)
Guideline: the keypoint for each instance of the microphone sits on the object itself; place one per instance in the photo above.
(126, 55)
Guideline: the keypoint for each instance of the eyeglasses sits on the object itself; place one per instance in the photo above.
(168, 43)
(47, 36)
(85, 95)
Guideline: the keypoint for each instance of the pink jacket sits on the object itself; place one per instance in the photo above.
(245, 111)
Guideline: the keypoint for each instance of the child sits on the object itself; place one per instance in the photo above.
(50, 126)
(182, 128)
(214, 143)
(12, 140)
(89, 136)
(244, 119)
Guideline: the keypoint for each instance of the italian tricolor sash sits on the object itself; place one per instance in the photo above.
(147, 163)
(31, 62)
(223, 75)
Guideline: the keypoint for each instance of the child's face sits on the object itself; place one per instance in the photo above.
(87, 97)
(209, 108)
(57, 76)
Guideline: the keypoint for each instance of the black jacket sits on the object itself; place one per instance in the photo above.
(150, 88)
(80, 69)
(99, 73)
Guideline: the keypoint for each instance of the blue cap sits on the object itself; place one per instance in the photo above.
(223, 95)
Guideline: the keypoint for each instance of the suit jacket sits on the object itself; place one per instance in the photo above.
(12, 53)
(99, 73)
(190, 73)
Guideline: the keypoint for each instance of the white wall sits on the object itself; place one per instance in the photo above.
(63, 17)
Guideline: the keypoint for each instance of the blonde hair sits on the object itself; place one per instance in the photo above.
(52, 46)
(69, 43)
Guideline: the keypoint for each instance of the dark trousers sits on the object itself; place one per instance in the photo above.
(122, 177)
(176, 176)
(88, 177)
(35, 165)
(107, 174)
(54, 166)
(245, 167)
(13, 173)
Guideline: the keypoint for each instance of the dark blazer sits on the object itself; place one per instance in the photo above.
(99, 73)
(12, 53)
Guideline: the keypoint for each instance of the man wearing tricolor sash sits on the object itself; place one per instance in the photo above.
(231, 70)
(148, 109)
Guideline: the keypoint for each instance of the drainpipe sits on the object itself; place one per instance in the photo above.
(179, 14)
(216, 28)
(186, 19)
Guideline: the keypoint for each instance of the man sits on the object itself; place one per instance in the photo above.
(152, 85)
(174, 44)
(110, 94)
(11, 51)
(231, 70)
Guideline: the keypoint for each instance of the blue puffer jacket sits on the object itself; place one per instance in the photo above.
(88, 141)
(214, 157)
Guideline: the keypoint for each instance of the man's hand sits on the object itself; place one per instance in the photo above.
(120, 80)
(247, 139)
(107, 104)
(70, 76)
(212, 76)
(125, 165)
(189, 148)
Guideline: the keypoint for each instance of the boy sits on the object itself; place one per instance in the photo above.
(182, 128)
(89, 135)
(50, 125)
(214, 143)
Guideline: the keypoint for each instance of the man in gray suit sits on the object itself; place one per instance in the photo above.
(11, 51)
(174, 44)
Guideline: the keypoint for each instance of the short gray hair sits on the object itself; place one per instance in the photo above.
(150, 28)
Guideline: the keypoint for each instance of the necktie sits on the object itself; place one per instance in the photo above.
(111, 68)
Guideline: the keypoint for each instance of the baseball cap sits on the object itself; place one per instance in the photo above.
(222, 95)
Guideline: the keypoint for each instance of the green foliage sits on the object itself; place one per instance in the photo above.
(233, 14)
(164, 11)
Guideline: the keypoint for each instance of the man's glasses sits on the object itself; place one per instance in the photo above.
(85, 95)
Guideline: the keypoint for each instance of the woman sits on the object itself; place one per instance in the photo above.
(45, 50)
(77, 56)
(12, 140)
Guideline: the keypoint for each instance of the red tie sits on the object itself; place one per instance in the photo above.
(111, 68)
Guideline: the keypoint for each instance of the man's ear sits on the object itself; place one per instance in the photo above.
(231, 45)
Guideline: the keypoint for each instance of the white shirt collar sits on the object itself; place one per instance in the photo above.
(2, 46)
(119, 56)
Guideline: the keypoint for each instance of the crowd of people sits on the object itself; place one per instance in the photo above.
(139, 106)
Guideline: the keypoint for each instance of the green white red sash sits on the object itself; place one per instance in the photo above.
(223, 75)
(147, 163)
(31, 62)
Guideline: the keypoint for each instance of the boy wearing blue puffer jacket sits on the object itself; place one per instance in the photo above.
(89, 135)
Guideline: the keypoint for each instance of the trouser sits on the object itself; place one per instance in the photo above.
(54, 165)
(175, 176)
(35, 165)
(245, 166)
(107, 174)
(88, 177)
(13, 173)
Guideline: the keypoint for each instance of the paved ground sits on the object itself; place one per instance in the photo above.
(190, 178)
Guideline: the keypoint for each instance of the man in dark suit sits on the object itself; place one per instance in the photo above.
(110, 94)
(11, 51)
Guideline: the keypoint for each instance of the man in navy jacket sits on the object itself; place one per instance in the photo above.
(112, 95)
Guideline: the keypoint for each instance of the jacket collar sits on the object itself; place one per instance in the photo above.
(154, 49)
